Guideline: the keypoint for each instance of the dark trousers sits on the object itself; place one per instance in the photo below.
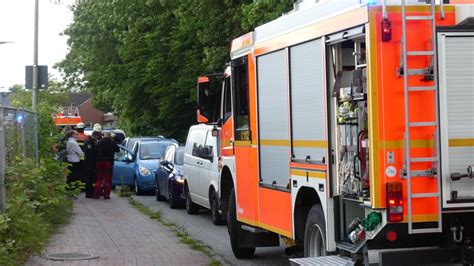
(104, 174)
(76, 172)
(90, 179)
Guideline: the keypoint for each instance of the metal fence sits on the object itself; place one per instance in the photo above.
(18, 139)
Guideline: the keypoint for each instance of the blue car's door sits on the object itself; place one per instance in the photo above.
(162, 181)
(123, 168)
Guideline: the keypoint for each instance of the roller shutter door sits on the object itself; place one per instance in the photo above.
(307, 102)
(456, 70)
(273, 119)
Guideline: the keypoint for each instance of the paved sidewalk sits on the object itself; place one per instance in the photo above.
(120, 235)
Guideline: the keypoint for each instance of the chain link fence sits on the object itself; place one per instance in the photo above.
(18, 139)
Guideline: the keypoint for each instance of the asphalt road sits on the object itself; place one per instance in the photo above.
(200, 227)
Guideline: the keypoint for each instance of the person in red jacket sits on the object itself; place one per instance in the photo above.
(106, 149)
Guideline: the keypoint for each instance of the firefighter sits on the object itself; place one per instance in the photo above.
(90, 159)
(106, 148)
(81, 137)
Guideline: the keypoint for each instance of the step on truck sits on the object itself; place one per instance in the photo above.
(348, 126)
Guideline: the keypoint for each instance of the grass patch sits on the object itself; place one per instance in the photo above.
(183, 236)
(124, 192)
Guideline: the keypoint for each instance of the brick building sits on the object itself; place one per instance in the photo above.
(82, 103)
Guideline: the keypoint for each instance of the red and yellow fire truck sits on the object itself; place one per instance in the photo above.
(347, 126)
(67, 117)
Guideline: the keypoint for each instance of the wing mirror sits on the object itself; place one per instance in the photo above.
(128, 158)
(167, 165)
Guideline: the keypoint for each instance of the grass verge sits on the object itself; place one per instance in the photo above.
(38, 202)
(183, 236)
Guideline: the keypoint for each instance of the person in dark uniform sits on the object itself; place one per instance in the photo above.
(90, 161)
(106, 149)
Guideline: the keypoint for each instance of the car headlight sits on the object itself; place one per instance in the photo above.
(143, 170)
(180, 179)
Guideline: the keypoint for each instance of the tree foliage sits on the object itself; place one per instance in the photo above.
(141, 58)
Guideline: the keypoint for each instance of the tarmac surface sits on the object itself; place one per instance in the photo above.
(200, 227)
(119, 235)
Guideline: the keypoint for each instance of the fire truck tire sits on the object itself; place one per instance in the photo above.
(191, 207)
(233, 226)
(315, 233)
(215, 215)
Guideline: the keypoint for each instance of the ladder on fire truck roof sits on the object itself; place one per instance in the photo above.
(408, 89)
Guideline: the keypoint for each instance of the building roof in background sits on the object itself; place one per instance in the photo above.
(76, 99)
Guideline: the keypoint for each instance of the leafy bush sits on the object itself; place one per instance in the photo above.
(38, 200)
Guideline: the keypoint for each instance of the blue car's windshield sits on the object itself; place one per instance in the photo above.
(152, 150)
(179, 156)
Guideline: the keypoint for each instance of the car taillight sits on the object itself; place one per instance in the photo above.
(386, 30)
(394, 202)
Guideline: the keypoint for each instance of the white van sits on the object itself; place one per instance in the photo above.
(201, 171)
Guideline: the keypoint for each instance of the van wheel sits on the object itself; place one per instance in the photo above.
(191, 207)
(315, 233)
(234, 229)
(215, 215)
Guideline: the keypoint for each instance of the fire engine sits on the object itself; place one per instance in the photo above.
(347, 126)
(67, 117)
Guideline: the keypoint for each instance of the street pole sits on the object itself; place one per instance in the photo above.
(35, 60)
(35, 83)
(2, 160)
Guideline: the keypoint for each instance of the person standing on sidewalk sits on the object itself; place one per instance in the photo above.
(106, 149)
(74, 153)
(90, 160)
(81, 138)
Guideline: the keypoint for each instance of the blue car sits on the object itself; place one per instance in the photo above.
(169, 177)
(136, 167)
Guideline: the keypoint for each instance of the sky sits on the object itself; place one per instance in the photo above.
(17, 25)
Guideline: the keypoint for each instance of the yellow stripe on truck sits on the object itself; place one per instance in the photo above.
(461, 142)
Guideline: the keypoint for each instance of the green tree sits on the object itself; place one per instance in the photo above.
(141, 58)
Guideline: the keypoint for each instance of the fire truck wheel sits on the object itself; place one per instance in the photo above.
(215, 215)
(191, 207)
(315, 233)
(234, 229)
